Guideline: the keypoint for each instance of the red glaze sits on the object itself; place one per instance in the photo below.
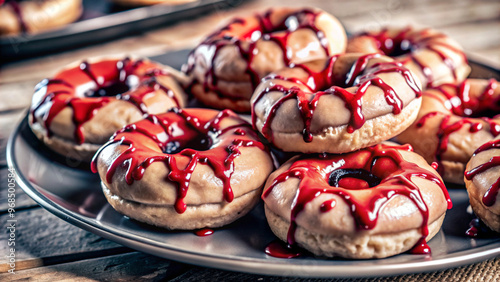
(185, 137)
(110, 81)
(407, 40)
(324, 79)
(19, 15)
(421, 248)
(462, 104)
(278, 249)
(490, 196)
(246, 43)
(381, 161)
(204, 232)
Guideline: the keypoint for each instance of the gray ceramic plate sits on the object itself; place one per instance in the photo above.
(68, 190)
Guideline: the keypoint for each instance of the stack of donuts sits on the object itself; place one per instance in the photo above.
(311, 93)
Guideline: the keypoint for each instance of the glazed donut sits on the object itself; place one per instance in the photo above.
(373, 203)
(431, 55)
(35, 16)
(482, 180)
(453, 121)
(336, 105)
(185, 169)
(228, 65)
(78, 109)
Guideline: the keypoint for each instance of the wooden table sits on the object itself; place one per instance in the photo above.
(48, 248)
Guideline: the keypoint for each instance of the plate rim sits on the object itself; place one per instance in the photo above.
(237, 263)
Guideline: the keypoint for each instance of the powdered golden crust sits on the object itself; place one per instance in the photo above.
(107, 119)
(39, 15)
(479, 185)
(435, 70)
(331, 116)
(461, 143)
(334, 233)
(157, 194)
(221, 75)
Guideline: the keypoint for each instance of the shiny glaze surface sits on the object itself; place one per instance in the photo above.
(103, 82)
(460, 102)
(404, 43)
(324, 83)
(178, 128)
(381, 161)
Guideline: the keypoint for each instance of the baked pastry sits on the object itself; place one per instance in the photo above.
(373, 203)
(136, 3)
(431, 55)
(336, 105)
(185, 169)
(482, 180)
(35, 16)
(78, 109)
(454, 120)
(228, 65)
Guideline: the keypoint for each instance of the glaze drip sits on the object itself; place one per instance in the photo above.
(463, 104)
(382, 161)
(111, 79)
(16, 8)
(405, 42)
(182, 128)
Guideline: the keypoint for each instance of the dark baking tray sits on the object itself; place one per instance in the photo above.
(102, 21)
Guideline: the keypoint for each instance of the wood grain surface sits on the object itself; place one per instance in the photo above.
(50, 249)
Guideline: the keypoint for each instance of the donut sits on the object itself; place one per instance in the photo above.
(336, 105)
(432, 56)
(78, 109)
(373, 203)
(482, 180)
(228, 65)
(185, 169)
(454, 120)
(20, 17)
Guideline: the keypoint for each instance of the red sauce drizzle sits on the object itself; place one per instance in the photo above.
(204, 232)
(279, 249)
(462, 104)
(407, 40)
(110, 79)
(491, 194)
(247, 44)
(477, 228)
(324, 79)
(383, 161)
(180, 128)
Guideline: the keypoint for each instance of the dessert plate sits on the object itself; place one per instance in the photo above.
(102, 21)
(69, 190)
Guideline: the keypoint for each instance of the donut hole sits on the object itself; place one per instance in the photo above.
(353, 179)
